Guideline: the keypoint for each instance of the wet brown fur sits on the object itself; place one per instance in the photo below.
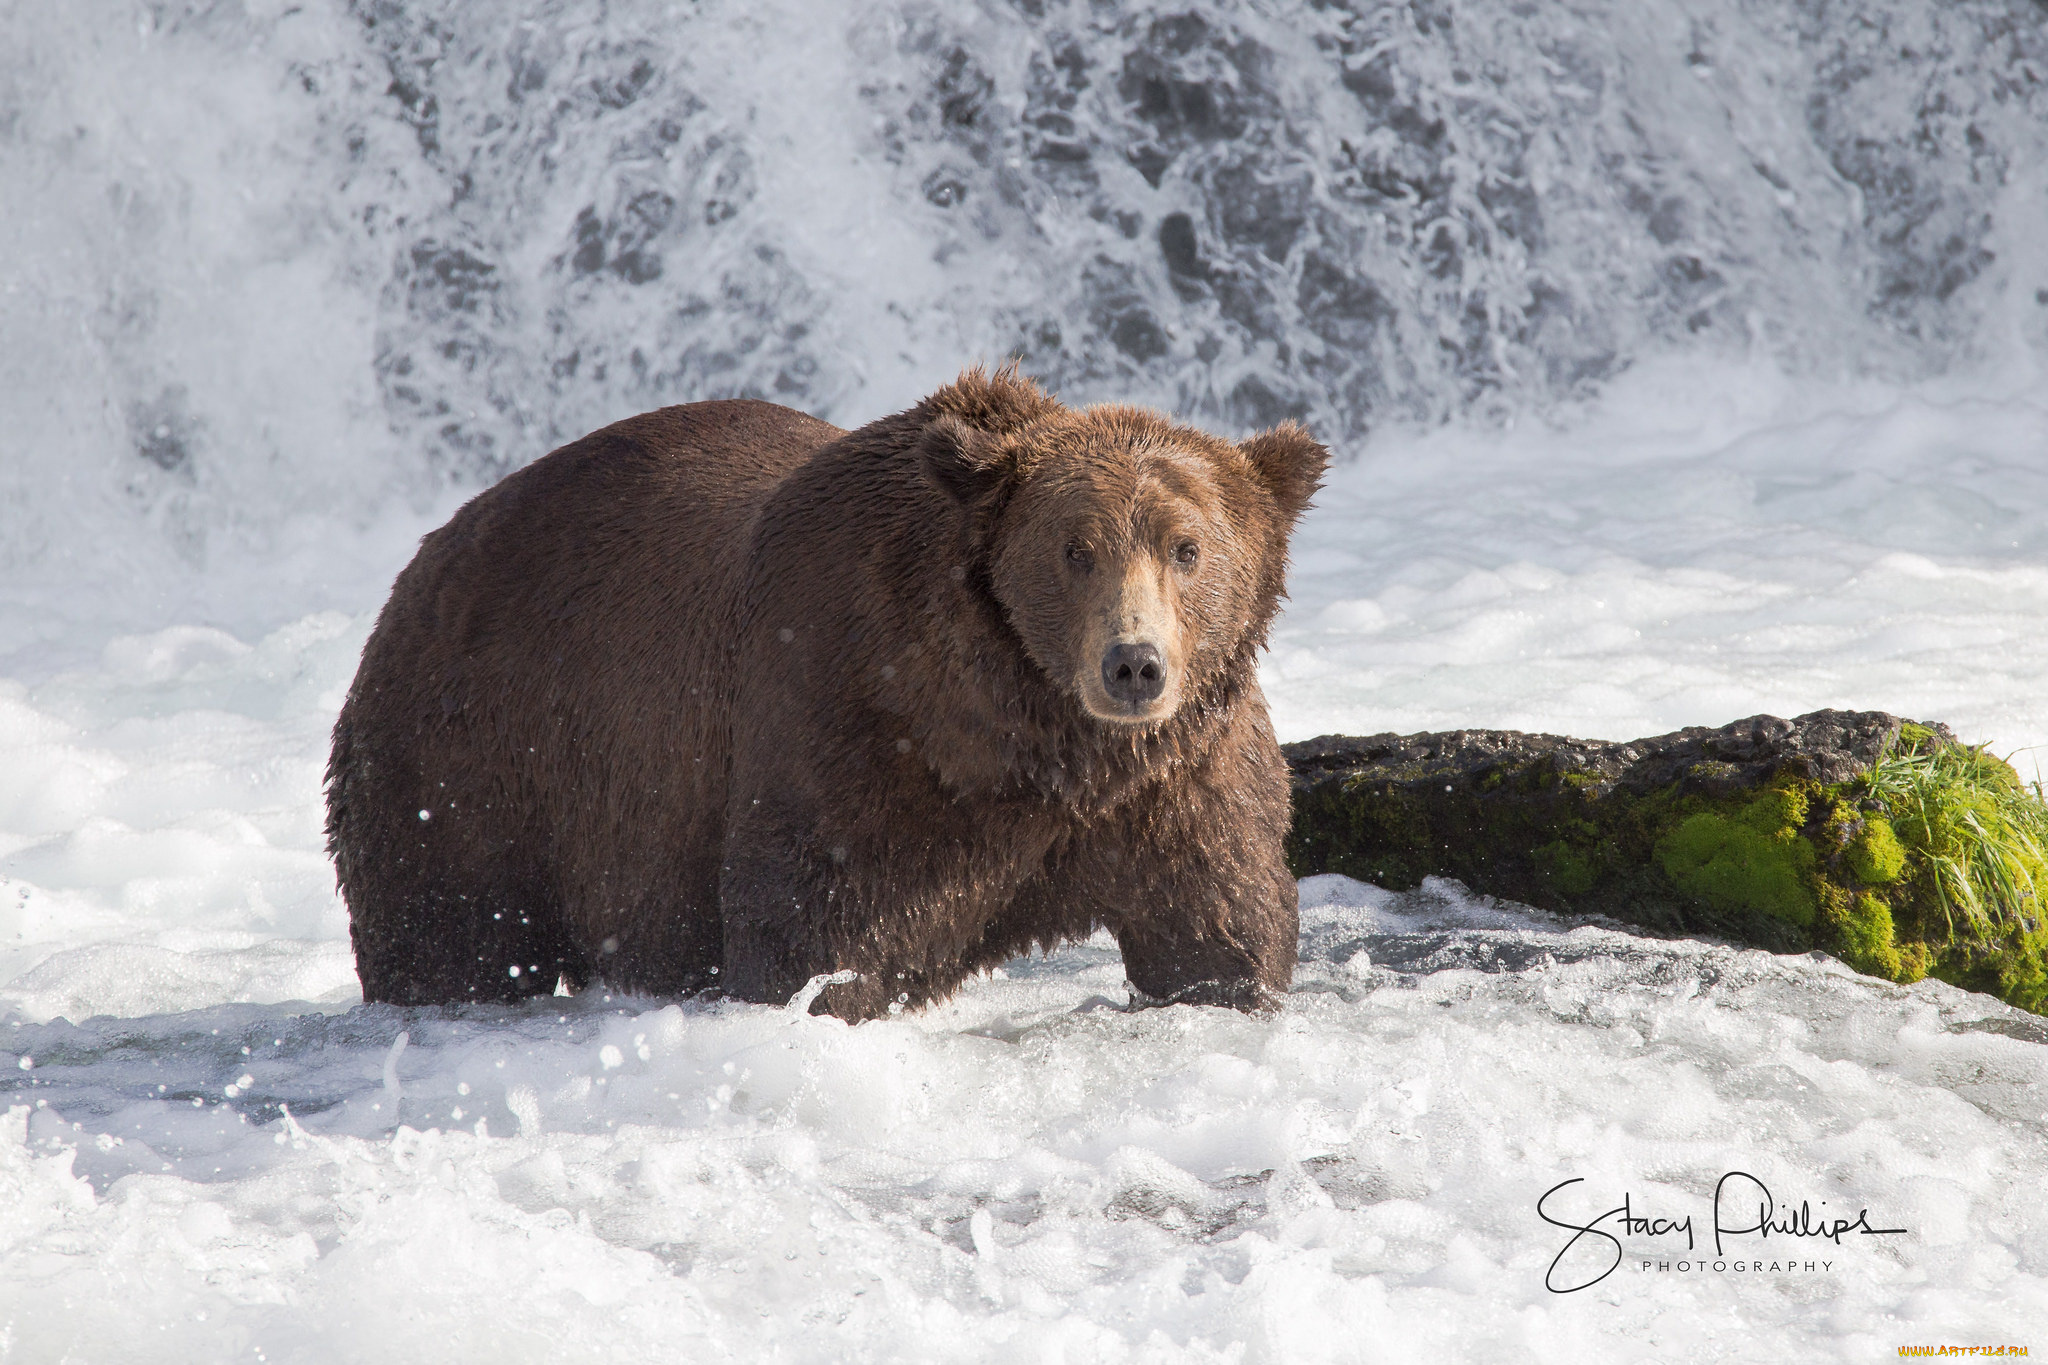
(723, 696)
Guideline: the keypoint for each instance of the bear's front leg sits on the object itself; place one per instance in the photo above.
(1209, 954)
(1195, 887)
(1208, 930)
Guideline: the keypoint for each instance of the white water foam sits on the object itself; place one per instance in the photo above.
(1028, 1173)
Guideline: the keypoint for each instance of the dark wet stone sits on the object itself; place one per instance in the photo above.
(1564, 824)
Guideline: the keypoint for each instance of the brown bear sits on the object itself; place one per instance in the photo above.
(724, 697)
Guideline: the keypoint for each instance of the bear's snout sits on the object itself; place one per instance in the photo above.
(1133, 673)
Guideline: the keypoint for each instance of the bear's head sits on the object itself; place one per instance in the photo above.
(1136, 559)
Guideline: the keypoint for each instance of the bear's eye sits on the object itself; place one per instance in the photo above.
(1079, 555)
(1187, 553)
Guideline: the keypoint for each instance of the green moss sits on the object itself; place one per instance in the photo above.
(1777, 809)
(1874, 855)
(1861, 933)
(1747, 857)
(1566, 869)
(2023, 973)
(1866, 939)
(2014, 968)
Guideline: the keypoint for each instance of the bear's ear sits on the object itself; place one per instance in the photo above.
(963, 463)
(1290, 463)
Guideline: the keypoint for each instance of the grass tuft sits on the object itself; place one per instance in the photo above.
(1981, 833)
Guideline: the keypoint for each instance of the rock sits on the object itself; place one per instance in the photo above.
(1766, 832)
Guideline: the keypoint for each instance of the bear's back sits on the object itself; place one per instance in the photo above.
(644, 502)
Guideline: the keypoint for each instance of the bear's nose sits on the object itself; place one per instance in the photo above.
(1133, 673)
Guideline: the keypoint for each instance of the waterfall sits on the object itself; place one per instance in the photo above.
(270, 271)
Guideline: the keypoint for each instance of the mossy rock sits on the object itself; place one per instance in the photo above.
(1770, 833)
